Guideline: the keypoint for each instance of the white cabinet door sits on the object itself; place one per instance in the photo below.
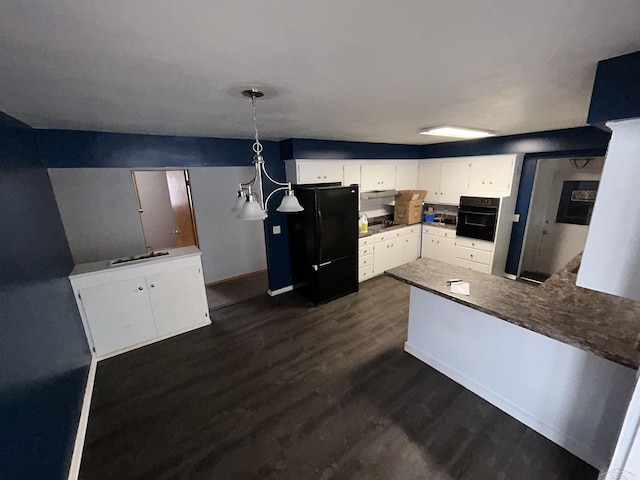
(491, 174)
(118, 314)
(411, 248)
(377, 177)
(177, 300)
(388, 254)
(406, 176)
(429, 246)
(446, 249)
(320, 172)
(500, 173)
(429, 179)
(454, 181)
(351, 173)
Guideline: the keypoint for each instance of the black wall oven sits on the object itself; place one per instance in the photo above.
(478, 218)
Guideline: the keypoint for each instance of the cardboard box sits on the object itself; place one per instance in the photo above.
(408, 209)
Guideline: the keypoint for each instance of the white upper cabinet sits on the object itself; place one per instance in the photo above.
(377, 176)
(429, 179)
(406, 175)
(320, 172)
(351, 173)
(454, 181)
(491, 174)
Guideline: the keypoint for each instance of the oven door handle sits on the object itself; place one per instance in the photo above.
(477, 213)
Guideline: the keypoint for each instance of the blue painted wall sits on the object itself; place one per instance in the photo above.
(556, 141)
(329, 149)
(44, 355)
(616, 90)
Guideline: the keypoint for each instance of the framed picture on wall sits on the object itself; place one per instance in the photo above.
(576, 202)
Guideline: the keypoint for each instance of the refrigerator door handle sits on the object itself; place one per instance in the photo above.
(316, 267)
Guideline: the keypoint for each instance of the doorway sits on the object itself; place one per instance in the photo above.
(559, 214)
(165, 207)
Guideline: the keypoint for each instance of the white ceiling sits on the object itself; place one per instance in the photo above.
(359, 70)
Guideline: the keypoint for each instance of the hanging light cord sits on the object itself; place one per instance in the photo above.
(257, 146)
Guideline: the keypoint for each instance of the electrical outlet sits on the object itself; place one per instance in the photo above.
(276, 230)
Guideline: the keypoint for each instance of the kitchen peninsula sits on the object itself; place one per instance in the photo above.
(559, 358)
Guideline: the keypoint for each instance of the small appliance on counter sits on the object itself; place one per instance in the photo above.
(324, 242)
(478, 218)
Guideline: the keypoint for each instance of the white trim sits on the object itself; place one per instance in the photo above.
(509, 276)
(273, 293)
(76, 458)
(568, 443)
(153, 340)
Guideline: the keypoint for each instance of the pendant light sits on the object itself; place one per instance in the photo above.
(249, 202)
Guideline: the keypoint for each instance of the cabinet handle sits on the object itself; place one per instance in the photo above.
(471, 255)
(153, 285)
(140, 288)
(473, 244)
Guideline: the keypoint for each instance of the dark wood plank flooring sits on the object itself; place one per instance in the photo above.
(277, 388)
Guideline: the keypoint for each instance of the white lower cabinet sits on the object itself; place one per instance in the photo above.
(133, 304)
(390, 249)
(438, 243)
(474, 254)
(118, 314)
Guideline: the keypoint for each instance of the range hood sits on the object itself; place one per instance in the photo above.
(378, 194)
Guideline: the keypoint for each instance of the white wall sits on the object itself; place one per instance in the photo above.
(229, 246)
(100, 217)
(99, 212)
(611, 261)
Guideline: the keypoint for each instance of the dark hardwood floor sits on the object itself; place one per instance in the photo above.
(277, 388)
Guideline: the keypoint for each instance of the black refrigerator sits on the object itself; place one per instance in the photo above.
(324, 241)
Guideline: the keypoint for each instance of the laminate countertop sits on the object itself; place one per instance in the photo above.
(606, 325)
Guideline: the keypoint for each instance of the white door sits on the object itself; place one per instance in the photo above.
(411, 248)
(378, 177)
(381, 257)
(454, 181)
(118, 314)
(478, 174)
(406, 176)
(396, 253)
(560, 242)
(177, 300)
(429, 179)
(446, 249)
(320, 172)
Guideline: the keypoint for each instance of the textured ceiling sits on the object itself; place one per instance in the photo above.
(357, 70)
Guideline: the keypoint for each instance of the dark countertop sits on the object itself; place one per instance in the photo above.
(606, 325)
(388, 228)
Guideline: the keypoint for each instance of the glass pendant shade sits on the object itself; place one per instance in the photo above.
(252, 210)
(289, 204)
(240, 201)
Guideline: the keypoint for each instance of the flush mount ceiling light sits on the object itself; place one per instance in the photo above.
(456, 132)
(249, 203)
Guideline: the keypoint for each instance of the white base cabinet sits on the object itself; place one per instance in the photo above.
(387, 250)
(133, 304)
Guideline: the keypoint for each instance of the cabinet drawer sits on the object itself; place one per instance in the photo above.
(383, 237)
(476, 244)
(366, 250)
(364, 241)
(473, 255)
(446, 232)
(366, 261)
(478, 267)
(365, 273)
(429, 230)
(409, 230)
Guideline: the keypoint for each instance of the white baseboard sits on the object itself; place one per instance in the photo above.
(273, 293)
(76, 458)
(570, 444)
